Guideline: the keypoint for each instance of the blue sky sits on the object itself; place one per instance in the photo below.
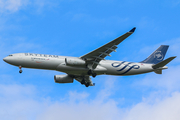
(74, 28)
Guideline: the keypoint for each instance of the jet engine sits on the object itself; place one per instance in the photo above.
(63, 79)
(74, 62)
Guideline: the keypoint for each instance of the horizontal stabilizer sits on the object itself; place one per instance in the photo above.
(163, 63)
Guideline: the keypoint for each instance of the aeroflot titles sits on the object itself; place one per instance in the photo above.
(41, 55)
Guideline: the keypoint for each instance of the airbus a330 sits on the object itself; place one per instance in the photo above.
(91, 64)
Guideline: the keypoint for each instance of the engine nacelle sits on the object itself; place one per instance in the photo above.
(74, 62)
(63, 79)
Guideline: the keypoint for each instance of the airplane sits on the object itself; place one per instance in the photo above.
(91, 64)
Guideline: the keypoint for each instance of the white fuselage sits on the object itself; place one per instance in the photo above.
(54, 62)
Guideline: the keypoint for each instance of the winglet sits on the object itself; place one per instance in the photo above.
(132, 30)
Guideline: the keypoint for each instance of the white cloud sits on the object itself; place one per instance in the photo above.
(11, 90)
(22, 102)
(99, 108)
(166, 109)
(12, 5)
(82, 110)
(17, 102)
(20, 107)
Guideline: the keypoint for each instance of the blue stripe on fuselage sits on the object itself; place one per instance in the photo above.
(127, 65)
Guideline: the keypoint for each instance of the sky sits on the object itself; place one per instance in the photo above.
(74, 28)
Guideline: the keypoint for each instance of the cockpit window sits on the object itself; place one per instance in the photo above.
(10, 55)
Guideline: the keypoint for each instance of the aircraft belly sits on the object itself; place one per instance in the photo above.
(72, 70)
(79, 70)
(139, 71)
(100, 70)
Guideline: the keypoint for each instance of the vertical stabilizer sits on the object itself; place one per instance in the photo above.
(157, 56)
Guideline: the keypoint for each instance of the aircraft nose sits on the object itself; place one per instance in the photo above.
(10, 60)
(5, 59)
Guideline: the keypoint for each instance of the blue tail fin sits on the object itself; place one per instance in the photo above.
(157, 56)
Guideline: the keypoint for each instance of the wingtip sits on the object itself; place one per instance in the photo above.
(132, 30)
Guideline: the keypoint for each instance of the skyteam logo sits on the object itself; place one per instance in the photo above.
(123, 65)
(158, 55)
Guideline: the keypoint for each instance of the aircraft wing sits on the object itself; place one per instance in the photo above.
(94, 57)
